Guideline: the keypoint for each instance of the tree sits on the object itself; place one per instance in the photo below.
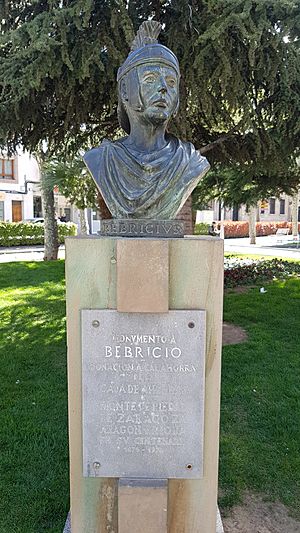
(74, 182)
(252, 223)
(295, 203)
(249, 182)
(50, 225)
(240, 95)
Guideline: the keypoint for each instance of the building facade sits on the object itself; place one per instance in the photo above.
(20, 196)
(271, 209)
(20, 192)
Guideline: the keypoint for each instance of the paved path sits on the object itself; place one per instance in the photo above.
(26, 253)
(264, 246)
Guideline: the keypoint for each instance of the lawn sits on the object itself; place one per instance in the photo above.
(260, 397)
(260, 423)
(33, 419)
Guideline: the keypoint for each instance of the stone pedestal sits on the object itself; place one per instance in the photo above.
(195, 281)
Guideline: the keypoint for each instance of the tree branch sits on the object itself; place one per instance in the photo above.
(215, 143)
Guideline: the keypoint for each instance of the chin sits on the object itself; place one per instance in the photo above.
(158, 116)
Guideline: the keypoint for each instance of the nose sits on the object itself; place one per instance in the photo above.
(162, 88)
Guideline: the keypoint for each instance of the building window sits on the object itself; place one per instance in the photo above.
(282, 206)
(263, 206)
(1, 211)
(67, 214)
(37, 207)
(272, 206)
(235, 213)
(7, 169)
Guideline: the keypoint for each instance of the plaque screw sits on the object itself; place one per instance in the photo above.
(191, 324)
(96, 465)
(189, 466)
(96, 323)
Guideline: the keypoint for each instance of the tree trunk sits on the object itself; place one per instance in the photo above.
(252, 223)
(185, 214)
(50, 225)
(83, 222)
(222, 218)
(294, 214)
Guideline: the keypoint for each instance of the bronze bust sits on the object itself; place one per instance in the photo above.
(148, 174)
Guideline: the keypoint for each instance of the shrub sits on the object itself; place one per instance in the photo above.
(235, 229)
(270, 228)
(201, 228)
(67, 229)
(24, 233)
(248, 271)
(241, 228)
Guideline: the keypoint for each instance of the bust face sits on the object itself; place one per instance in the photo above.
(159, 88)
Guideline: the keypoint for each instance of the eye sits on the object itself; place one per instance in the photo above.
(171, 82)
(149, 78)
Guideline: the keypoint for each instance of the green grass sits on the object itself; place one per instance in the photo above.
(260, 422)
(260, 398)
(258, 256)
(247, 256)
(33, 419)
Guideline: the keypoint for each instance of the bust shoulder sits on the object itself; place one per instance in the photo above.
(92, 158)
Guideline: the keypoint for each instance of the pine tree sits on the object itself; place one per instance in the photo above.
(240, 65)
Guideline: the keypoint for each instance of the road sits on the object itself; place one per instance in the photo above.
(26, 253)
(268, 246)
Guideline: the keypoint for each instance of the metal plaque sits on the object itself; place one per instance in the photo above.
(143, 394)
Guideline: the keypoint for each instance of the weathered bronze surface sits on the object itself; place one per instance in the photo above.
(142, 228)
(149, 173)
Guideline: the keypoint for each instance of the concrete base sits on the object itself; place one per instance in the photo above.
(219, 525)
(67, 528)
(220, 528)
(195, 282)
(142, 505)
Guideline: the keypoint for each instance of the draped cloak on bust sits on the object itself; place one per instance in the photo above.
(146, 185)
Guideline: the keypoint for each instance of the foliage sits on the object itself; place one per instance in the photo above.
(240, 64)
(201, 228)
(73, 180)
(248, 271)
(249, 182)
(33, 417)
(233, 229)
(62, 70)
(25, 233)
(259, 441)
(240, 229)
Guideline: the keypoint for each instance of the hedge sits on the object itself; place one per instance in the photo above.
(201, 228)
(25, 233)
(241, 228)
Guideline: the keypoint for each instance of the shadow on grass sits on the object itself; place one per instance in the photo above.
(260, 432)
(32, 273)
(33, 416)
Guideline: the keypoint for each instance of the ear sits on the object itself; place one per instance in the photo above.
(176, 108)
(123, 91)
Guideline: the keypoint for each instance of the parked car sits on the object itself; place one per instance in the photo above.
(39, 220)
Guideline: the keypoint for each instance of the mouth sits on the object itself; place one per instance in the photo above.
(161, 104)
